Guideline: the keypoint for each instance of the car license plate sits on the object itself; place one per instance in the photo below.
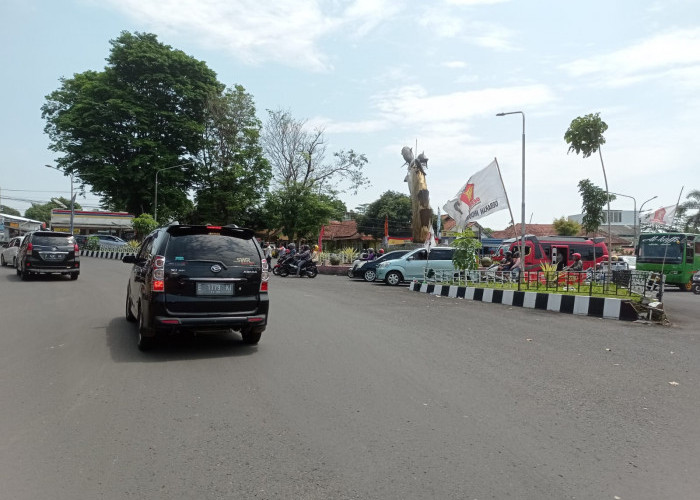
(53, 256)
(207, 288)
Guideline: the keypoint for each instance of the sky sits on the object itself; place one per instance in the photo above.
(378, 75)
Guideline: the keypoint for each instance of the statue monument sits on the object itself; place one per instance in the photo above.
(422, 214)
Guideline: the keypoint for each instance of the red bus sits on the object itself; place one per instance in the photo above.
(545, 249)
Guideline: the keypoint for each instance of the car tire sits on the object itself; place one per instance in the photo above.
(14, 262)
(393, 278)
(144, 343)
(351, 274)
(251, 336)
(129, 315)
(74, 276)
(686, 287)
(24, 275)
(370, 275)
(2, 261)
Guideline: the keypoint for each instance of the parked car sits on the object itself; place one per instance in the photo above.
(81, 240)
(9, 251)
(367, 269)
(198, 279)
(414, 265)
(48, 252)
(109, 241)
(631, 261)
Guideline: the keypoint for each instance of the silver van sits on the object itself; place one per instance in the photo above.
(415, 264)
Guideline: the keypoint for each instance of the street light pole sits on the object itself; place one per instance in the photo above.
(155, 200)
(72, 199)
(635, 215)
(522, 208)
(639, 215)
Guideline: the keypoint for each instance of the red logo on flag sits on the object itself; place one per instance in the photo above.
(467, 196)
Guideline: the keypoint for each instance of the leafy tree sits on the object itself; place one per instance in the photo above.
(585, 135)
(300, 213)
(566, 227)
(42, 212)
(143, 113)
(593, 200)
(466, 246)
(692, 221)
(234, 174)
(9, 210)
(392, 205)
(143, 225)
(298, 158)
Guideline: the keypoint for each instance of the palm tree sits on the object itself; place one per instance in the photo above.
(585, 135)
(693, 203)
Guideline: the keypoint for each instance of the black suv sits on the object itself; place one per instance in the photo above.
(48, 252)
(198, 279)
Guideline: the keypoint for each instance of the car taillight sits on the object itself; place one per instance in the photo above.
(29, 247)
(217, 228)
(158, 283)
(76, 250)
(265, 276)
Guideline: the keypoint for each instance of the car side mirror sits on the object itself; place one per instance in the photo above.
(129, 259)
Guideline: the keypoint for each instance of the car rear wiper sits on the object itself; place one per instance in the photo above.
(212, 262)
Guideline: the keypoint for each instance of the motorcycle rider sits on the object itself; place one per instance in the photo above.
(303, 258)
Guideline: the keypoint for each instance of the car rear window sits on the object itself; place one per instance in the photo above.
(230, 250)
(53, 240)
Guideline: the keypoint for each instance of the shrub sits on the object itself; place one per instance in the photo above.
(334, 259)
(93, 243)
(486, 261)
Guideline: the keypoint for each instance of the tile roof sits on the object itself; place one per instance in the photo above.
(343, 230)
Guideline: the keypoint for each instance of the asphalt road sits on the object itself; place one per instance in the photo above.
(356, 391)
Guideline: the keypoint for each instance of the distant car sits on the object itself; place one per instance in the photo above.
(81, 240)
(9, 252)
(415, 265)
(198, 279)
(631, 261)
(367, 269)
(48, 252)
(109, 241)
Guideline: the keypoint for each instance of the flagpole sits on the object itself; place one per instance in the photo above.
(512, 220)
(660, 295)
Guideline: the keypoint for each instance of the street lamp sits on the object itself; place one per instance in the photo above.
(155, 201)
(639, 214)
(522, 208)
(72, 198)
(635, 215)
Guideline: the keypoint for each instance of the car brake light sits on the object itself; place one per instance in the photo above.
(263, 286)
(29, 247)
(158, 283)
(76, 250)
(218, 228)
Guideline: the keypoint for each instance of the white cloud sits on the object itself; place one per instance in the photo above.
(641, 61)
(288, 32)
(454, 64)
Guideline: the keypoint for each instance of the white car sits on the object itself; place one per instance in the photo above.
(109, 241)
(8, 257)
(631, 261)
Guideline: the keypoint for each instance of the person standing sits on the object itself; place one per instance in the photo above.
(267, 252)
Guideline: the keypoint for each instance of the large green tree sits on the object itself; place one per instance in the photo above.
(234, 175)
(393, 207)
(42, 211)
(300, 212)
(4, 209)
(143, 113)
(692, 220)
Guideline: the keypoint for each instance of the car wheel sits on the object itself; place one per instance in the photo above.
(393, 278)
(14, 262)
(74, 276)
(251, 336)
(370, 275)
(2, 261)
(144, 342)
(25, 275)
(129, 315)
(350, 273)
(686, 287)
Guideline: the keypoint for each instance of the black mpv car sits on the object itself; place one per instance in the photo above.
(198, 279)
(48, 252)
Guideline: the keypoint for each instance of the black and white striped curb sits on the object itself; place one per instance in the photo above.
(608, 308)
(102, 254)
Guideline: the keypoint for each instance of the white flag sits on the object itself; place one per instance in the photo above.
(663, 215)
(430, 240)
(482, 195)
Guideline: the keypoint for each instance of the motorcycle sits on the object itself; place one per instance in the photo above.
(289, 266)
(695, 286)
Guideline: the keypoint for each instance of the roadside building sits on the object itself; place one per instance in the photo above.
(13, 225)
(91, 222)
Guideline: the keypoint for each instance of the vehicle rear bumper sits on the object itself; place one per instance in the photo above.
(210, 322)
(61, 270)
